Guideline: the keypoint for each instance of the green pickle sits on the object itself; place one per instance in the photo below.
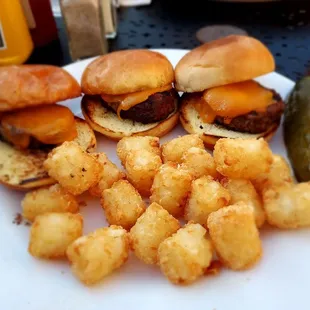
(297, 129)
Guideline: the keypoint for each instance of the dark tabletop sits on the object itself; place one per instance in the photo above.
(283, 26)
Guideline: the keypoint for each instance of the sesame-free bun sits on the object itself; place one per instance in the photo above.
(29, 85)
(210, 133)
(23, 170)
(107, 122)
(127, 71)
(228, 60)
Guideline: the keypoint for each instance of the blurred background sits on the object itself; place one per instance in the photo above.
(71, 30)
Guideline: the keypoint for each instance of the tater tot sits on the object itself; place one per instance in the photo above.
(235, 236)
(141, 167)
(129, 144)
(279, 175)
(242, 158)
(48, 199)
(198, 162)
(109, 174)
(73, 168)
(207, 196)
(52, 233)
(122, 204)
(185, 256)
(151, 228)
(174, 149)
(288, 207)
(170, 188)
(98, 254)
(243, 190)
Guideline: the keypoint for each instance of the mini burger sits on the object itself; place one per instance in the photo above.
(129, 93)
(220, 98)
(31, 123)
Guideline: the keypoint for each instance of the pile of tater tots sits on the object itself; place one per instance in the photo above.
(203, 208)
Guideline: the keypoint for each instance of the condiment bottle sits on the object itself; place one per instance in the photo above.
(86, 33)
(15, 40)
(41, 21)
(109, 17)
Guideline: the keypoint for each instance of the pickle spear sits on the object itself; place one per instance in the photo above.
(297, 129)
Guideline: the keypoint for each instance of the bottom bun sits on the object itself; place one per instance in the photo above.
(210, 133)
(85, 135)
(107, 123)
(23, 170)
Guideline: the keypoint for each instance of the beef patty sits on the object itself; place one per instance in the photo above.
(256, 122)
(156, 108)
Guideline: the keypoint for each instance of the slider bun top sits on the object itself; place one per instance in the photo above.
(28, 85)
(127, 71)
(228, 60)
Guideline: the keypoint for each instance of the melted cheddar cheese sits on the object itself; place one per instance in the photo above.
(49, 124)
(128, 101)
(204, 110)
(237, 99)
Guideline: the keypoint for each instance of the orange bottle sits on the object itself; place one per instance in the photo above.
(15, 41)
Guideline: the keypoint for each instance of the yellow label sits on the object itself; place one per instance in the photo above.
(15, 43)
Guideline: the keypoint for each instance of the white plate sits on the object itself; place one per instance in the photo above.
(280, 281)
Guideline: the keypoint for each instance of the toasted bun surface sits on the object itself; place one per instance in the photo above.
(228, 60)
(125, 72)
(28, 85)
(210, 133)
(85, 135)
(24, 170)
(107, 123)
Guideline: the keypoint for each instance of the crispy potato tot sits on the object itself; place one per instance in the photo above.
(170, 188)
(141, 167)
(129, 144)
(243, 190)
(109, 174)
(198, 162)
(185, 256)
(288, 207)
(122, 204)
(235, 236)
(74, 169)
(151, 228)
(48, 199)
(98, 254)
(278, 176)
(52, 233)
(174, 149)
(241, 158)
(207, 196)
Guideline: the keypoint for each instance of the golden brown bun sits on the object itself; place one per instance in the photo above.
(28, 85)
(107, 123)
(85, 135)
(210, 133)
(224, 61)
(125, 72)
(24, 170)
